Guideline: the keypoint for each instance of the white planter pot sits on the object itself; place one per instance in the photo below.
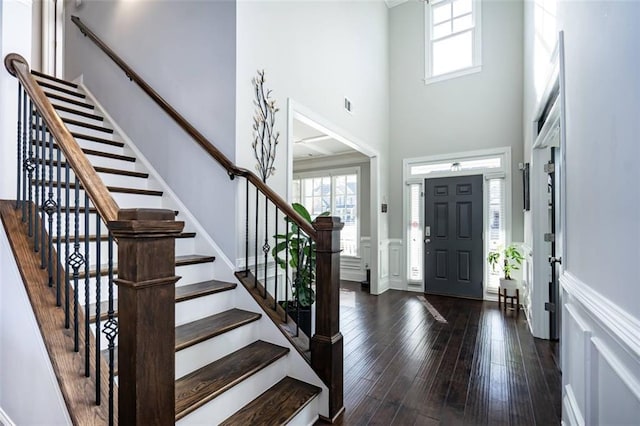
(510, 286)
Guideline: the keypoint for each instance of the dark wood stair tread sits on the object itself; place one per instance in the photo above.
(93, 210)
(200, 330)
(79, 135)
(99, 169)
(192, 291)
(118, 189)
(52, 78)
(193, 259)
(91, 152)
(61, 89)
(278, 405)
(206, 383)
(68, 100)
(104, 237)
(79, 123)
(77, 112)
(184, 260)
(183, 294)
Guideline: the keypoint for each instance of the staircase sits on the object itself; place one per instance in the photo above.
(233, 365)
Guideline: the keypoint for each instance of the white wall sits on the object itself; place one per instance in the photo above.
(601, 314)
(187, 52)
(316, 53)
(477, 111)
(15, 30)
(29, 392)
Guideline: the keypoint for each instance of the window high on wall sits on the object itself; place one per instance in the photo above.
(335, 191)
(453, 44)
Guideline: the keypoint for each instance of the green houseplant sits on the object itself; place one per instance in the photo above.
(299, 249)
(511, 259)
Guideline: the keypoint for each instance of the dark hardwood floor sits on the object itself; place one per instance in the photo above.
(412, 359)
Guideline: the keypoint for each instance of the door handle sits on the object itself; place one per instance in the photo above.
(553, 260)
(427, 240)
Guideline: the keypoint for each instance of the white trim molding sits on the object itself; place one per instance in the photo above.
(5, 420)
(600, 353)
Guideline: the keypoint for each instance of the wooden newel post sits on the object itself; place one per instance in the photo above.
(326, 344)
(146, 306)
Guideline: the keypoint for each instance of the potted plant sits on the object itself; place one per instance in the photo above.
(300, 250)
(511, 261)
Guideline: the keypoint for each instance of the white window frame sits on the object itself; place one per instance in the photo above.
(476, 31)
(340, 172)
(504, 172)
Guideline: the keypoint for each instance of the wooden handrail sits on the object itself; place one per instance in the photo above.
(231, 169)
(91, 182)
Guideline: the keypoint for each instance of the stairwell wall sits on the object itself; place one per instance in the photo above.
(314, 54)
(187, 52)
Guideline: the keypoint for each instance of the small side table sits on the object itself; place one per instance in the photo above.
(503, 298)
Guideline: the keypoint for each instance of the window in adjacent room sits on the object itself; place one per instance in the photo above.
(453, 45)
(335, 191)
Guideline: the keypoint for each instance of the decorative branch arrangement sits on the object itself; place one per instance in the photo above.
(265, 139)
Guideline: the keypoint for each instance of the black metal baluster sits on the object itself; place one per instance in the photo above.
(18, 151)
(67, 214)
(246, 232)
(286, 270)
(98, 331)
(111, 331)
(296, 283)
(29, 167)
(76, 260)
(87, 285)
(275, 266)
(265, 247)
(255, 257)
(25, 142)
(39, 140)
(51, 207)
(45, 136)
(310, 278)
(58, 233)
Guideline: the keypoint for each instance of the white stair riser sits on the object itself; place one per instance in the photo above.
(74, 128)
(71, 105)
(203, 352)
(197, 356)
(220, 408)
(195, 273)
(194, 309)
(77, 117)
(308, 416)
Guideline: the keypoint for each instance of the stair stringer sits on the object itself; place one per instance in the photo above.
(224, 269)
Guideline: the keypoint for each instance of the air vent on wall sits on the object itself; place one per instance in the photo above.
(347, 104)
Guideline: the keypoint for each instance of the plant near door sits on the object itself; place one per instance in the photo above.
(511, 260)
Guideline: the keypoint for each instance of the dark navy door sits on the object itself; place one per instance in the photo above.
(453, 236)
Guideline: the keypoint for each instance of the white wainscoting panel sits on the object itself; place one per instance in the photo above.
(600, 352)
(396, 280)
(383, 284)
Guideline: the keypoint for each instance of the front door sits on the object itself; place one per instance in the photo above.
(453, 236)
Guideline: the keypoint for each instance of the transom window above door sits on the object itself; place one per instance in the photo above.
(453, 38)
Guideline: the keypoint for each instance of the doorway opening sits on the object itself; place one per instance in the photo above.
(329, 171)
